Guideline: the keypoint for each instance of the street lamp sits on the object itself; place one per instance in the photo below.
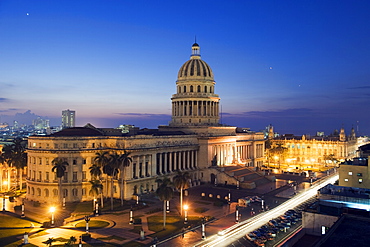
(167, 206)
(97, 209)
(229, 198)
(22, 216)
(131, 216)
(87, 219)
(52, 210)
(186, 207)
(237, 214)
(204, 228)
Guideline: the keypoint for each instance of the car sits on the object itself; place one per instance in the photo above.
(250, 237)
(259, 243)
(272, 223)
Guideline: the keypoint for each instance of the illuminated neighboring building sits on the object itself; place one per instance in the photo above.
(68, 119)
(311, 152)
(194, 141)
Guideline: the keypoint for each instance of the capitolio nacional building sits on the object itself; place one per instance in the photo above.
(194, 141)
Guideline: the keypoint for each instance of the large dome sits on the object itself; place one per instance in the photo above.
(195, 68)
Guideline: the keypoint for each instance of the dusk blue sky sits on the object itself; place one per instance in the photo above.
(302, 66)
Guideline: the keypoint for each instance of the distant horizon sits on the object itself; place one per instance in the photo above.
(152, 121)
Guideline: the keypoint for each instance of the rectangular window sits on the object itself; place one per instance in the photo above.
(346, 180)
(40, 175)
(74, 177)
(47, 176)
(55, 146)
(65, 145)
(74, 145)
(84, 161)
(47, 161)
(65, 177)
(360, 180)
(74, 162)
(40, 161)
(359, 174)
(350, 173)
(84, 175)
(84, 192)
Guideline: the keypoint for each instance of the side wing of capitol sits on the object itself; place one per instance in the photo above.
(194, 141)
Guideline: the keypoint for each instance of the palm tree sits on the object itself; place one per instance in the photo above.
(164, 193)
(181, 182)
(101, 159)
(112, 170)
(72, 240)
(96, 188)
(15, 156)
(125, 162)
(59, 166)
(19, 158)
(96, 172)
(49, 242)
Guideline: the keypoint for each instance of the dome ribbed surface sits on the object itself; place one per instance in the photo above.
(195, 68)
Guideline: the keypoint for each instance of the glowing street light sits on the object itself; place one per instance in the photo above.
(186, 207)
(167, 206)
(52, 210)
(87, 219)
(204, 228)
(131, 217)
(237, 214)
(22, 215)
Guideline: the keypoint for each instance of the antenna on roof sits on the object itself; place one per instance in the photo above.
(195, 39)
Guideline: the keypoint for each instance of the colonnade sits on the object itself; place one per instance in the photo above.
(173, 161)
(195, 108)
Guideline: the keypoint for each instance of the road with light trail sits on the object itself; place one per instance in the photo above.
(239, 230)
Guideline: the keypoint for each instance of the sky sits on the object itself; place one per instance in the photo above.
(302, 66)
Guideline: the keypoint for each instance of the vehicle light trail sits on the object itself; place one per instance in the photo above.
(239, 230)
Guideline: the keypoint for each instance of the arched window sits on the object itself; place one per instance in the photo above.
(32, 191)
(179, 89)
(184, 89)
(191, 89)
(205, 89)
(74, 192)
(55, 192)
(46, 192)
(198, 89)
(38, 191)
(65, 193)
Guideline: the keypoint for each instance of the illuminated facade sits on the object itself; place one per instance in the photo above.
(194, 141)
(311, 152)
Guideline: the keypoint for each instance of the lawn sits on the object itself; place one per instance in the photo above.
(11, 227)
(174, 225)
(93, 224)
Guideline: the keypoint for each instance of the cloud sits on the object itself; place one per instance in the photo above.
(3, 99)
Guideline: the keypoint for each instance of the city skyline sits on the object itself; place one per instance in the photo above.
(302, 67)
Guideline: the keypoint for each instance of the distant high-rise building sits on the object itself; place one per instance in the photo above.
(40, 123)
(68, 119)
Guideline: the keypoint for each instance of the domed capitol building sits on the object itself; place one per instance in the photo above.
(194, 141)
